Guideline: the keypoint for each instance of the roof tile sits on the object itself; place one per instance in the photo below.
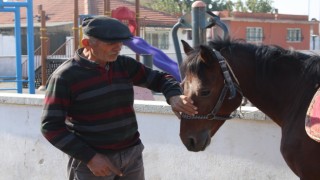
(63, 11)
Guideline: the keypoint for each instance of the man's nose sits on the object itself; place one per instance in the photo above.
(118, 45)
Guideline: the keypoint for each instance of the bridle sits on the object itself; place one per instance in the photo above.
(229, 84)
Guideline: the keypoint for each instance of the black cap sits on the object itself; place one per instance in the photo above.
(106, 29)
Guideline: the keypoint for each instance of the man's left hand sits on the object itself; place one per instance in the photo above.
(182, 104)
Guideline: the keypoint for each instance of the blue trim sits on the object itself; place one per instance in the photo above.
(17, 31)
(30, 45)
(14, 4)
(15, 7)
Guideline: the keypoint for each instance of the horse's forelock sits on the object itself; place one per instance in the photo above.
(192, 62)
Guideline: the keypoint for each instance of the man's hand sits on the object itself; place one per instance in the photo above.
(182, 104)
(100, 165)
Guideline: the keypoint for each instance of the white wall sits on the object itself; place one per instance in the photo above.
(8, 65)
(241, 150)
(316, 43)
(7, 45)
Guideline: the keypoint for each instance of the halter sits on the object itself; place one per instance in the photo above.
(228, 85)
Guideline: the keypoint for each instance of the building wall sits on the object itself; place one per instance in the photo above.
(274, 33)
(7, 66)
(7, 45)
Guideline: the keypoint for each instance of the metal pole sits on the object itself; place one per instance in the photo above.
(15, 7)
(107, 11)
(43, 39)
(198, 23)
(138, 17)
(138, 24)
(75, 26)
(313, 42)
(17, 29)
(30, 42)
(147, 60)
(17, 32)
(176, 41)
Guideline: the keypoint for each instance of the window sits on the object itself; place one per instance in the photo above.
(294, 35)
(254, 34)
(158, 39)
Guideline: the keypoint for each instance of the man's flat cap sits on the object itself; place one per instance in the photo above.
(106, 29)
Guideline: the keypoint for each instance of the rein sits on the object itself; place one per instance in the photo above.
(228, 85)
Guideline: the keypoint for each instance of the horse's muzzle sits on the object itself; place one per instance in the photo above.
(196, 144)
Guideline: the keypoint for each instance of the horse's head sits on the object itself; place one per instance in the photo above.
(207, 81)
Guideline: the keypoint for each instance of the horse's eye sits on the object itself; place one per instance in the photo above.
(204, 93)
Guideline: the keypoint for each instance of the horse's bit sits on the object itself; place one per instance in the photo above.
(228, 84)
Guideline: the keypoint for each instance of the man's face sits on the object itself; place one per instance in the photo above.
(105, 51)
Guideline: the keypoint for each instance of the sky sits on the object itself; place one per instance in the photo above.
(299, 7)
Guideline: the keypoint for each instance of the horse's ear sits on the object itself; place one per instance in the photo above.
(186, 47)
(205, 54)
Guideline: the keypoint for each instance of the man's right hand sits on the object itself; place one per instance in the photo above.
(100, 165)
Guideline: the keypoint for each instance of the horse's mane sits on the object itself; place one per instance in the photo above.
(272, 59)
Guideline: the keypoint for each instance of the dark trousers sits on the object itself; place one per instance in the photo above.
(129, 161)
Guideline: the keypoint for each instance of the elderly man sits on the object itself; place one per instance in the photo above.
(88, 111)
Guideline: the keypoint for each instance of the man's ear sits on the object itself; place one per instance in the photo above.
(85, 42)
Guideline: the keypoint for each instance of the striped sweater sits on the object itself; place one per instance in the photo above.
(89, 109)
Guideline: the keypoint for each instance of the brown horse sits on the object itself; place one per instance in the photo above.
(281, 83)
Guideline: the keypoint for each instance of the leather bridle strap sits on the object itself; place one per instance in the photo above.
(228, 85)
(225, 72)
(212, 115)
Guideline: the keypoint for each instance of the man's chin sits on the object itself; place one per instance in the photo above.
(113, 57)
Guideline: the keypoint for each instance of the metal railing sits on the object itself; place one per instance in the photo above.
(65, 51)
(37, 62)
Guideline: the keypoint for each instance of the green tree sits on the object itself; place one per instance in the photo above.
(263, 6)
(219, 5)
(240, 7)
(182, 6)
(169, 6)
(229, 5)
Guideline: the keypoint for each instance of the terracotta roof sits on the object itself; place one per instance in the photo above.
(63, 11)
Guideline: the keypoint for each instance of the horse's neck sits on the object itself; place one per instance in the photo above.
(280, 101)
(279, 106)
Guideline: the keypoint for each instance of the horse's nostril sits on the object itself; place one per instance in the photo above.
(192, 142)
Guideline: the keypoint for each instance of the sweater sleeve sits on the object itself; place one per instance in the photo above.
(53, 125)
(154, 80)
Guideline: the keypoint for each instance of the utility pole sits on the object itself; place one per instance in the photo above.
(75, 26)
(138, 24)
(44, 48)
(107, 11)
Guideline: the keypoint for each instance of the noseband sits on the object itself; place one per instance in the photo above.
(228, 85)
